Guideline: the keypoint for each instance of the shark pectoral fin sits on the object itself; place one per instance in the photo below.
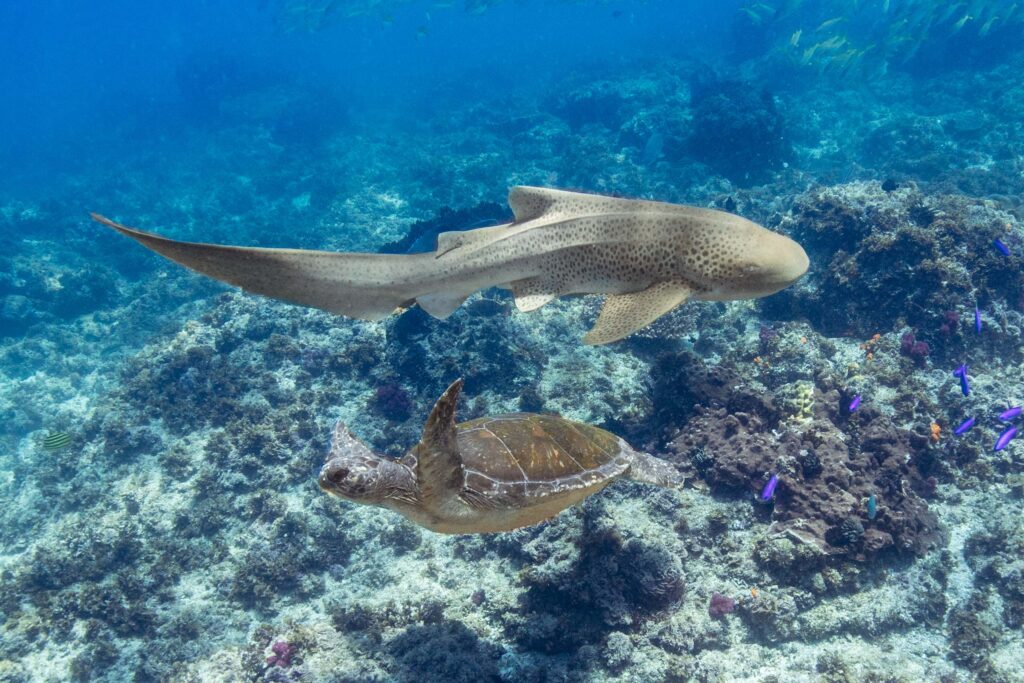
(624, 314)
(531, 293)
(441, 304)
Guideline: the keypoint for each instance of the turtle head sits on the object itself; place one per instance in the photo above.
(354, 472)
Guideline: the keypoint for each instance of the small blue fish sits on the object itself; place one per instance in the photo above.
(769, 489)
(1003, 249)
(855, 403)
(964, 427)
(977, 320)
(872, 506)
(961, 372)
(1004, 439)
(1010, 414)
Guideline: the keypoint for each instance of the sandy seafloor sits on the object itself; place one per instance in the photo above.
(182, 535)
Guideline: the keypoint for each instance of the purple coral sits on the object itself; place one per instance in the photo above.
(767, 335)
(282, 656)
(950, 322)
(720, 605)
(392, 401)
(916, 349)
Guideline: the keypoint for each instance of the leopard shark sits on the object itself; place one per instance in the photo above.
(646, 257)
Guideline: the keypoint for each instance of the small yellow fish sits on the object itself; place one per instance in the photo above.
(754, 16)
(833, 43)
(829, 22)
(988, 25)
(960, 24)
(794, 39)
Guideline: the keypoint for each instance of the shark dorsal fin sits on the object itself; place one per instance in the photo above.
(438, 465)
(624, 314)
(542, 203)
(533, 203)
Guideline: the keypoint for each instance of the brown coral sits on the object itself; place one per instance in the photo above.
(824, 504)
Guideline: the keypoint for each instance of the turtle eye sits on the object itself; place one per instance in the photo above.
(338, 475)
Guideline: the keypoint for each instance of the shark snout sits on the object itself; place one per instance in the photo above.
(779, 263)
(794, 263)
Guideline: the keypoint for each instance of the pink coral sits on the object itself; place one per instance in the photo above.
(282, 656)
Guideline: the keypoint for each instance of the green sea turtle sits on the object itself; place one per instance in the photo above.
(489, 474)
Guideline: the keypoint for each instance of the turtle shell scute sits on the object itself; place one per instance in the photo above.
(525, 455)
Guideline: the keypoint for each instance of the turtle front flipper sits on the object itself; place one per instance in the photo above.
(438, 465)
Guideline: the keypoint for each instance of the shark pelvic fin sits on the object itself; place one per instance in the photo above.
(441, 304)
(624, 314)
(531, 293)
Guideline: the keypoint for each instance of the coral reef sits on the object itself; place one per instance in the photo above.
(737, 130)
(866, 240)
(181, 535)
(827, 469)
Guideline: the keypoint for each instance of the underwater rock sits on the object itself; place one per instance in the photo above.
(422, 235)
(36, 289)
(996, 556)
(864, 240)
(826, 472)
(680, 383)
(600, 102)
(737, 130)
(392, 401)
(584, 583)
(446, 652)
(912, 146)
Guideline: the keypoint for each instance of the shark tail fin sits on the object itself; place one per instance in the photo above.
(364, 286)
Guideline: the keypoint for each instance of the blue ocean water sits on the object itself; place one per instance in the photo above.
(162, 434)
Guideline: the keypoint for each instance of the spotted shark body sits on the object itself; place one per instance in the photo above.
(646, 257)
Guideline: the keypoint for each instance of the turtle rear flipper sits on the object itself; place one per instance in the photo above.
(650, 470)
(438, 465)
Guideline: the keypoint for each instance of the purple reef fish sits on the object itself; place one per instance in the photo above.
(1003, 249)
(977, 320)
(769, 489)
(1005, 438)
(961, 372)
(855, 403)
(964, 427)
(1010, 414)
